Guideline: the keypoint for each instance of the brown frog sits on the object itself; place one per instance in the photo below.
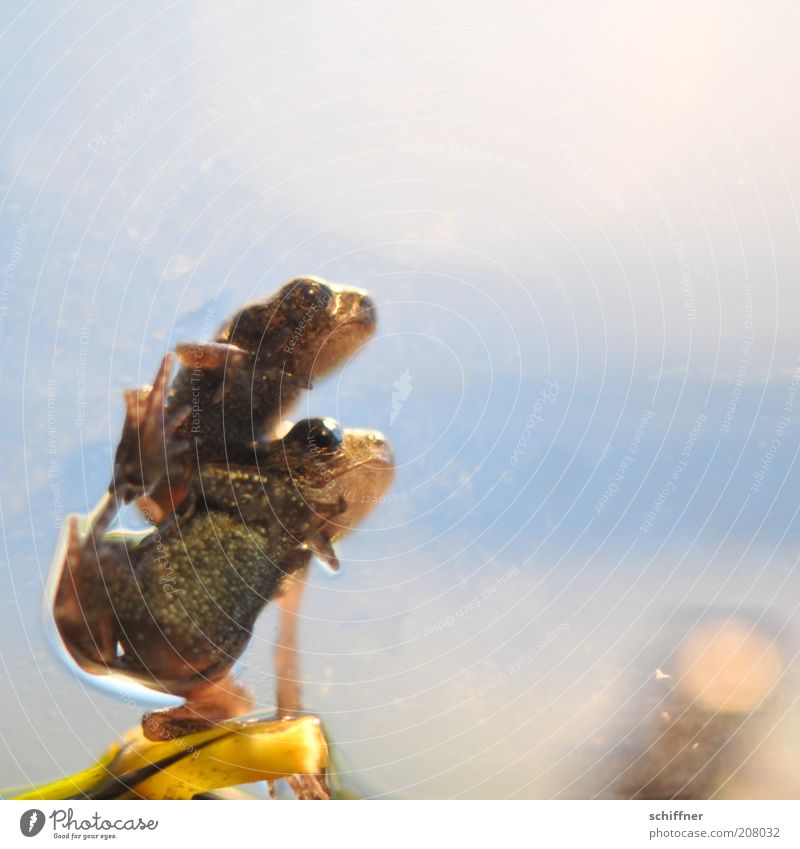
(174, 608)
(232, 392)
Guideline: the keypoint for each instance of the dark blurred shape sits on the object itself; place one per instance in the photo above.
(695, 721)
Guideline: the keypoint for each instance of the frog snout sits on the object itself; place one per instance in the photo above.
(366, 313)
(371, 448)
(367, 475)
(384, 450)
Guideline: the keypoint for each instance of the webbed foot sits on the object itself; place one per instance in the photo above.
(207, 706)
(307, 787)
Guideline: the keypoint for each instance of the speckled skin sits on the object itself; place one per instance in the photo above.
(235, 515)
(191, 606)
(177, 608)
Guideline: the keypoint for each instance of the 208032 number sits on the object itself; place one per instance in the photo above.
(758, 832)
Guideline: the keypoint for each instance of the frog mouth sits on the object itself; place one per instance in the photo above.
(366, 445)
(360, 481)
(355, 307)
(354, 323)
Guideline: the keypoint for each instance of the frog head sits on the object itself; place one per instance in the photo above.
(308, 328)
(338, 475)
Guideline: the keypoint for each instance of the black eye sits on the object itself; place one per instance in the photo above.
(308, 294)
(317, 435)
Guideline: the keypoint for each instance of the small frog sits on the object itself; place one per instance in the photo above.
(245, 381)
(232, 392)
(175, 607)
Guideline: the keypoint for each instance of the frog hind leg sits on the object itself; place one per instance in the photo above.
(206, 705)
(82, 610)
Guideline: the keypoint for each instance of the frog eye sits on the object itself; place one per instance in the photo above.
(309, 294)
(317, 435)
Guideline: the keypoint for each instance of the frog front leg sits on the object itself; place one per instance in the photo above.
(193, 421)
(288, 690)
(151, 454)
(148, 449)
(288, 693)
